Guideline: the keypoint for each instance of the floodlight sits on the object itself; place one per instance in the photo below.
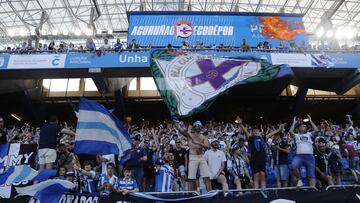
(11, 33)
(350, 33)
(65, 32)
(320, 32)
(77, 32)
(329, 34)
(22, 33)
(88, 32)
(340, 32)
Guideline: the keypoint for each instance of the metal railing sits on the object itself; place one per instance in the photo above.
(193, 193)
(331, 187)
(271, 189)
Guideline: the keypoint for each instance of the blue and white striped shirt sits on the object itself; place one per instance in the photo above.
(164, 180)
(105, 179)
(127, 184)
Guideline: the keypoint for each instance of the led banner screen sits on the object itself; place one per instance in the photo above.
(162, 28)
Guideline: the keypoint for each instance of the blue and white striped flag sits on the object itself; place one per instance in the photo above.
(98, 131)
(49, 191)
(16, 174)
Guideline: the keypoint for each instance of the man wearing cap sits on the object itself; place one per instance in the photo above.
(136, 162)
(196, 143)
(237, 167)
(216, 160)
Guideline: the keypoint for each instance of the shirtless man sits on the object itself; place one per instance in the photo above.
(196, 143)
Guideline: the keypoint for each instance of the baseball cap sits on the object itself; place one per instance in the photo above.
(197, 123)
(234, 147)
(214, 140)
(321, 140)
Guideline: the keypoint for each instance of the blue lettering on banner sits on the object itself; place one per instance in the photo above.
(55, 61)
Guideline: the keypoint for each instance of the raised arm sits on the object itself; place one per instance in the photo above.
(281, 127)
(68, 132)
(182, 129)
(155, 137)
(348, 119)
(316, 129)
(239, 120)
(291, 130)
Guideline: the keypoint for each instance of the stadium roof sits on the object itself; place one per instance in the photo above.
(21, 17)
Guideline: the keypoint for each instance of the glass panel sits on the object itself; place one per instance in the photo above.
(133, 84)
(147, 83)
(73, 85)
(90, 85)
(46, 83)
(58, 85)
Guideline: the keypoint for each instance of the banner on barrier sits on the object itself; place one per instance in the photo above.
(13, 155)
(142, 59)
(281, 196)
(36, 61)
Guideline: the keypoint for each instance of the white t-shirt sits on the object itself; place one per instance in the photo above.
(304, 143)
(106, 46)
(214, 160)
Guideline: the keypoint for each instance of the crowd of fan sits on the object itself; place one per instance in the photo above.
(119, 46)
(172, 156)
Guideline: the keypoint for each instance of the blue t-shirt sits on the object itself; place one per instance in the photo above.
(117, 46)
(135, 155)
(127, 184)
(48, 135)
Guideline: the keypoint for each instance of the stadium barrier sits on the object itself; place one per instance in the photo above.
(234, 49)
(190, 193)
(333, 187)
(304, 188)
(286, 195)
